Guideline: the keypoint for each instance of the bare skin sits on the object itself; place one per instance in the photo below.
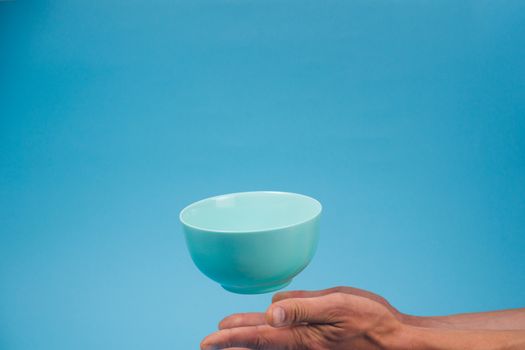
(495, 320)
(351, 318)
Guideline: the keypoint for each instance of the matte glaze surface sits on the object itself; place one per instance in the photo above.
(252, 242)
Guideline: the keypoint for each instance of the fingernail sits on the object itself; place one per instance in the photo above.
(278, 316)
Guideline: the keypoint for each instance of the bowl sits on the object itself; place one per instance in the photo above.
(252, 242)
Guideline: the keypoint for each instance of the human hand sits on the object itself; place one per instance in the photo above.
(331, 319)
(343, 289)
(346, 317)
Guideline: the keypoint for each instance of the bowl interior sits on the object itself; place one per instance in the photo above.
(250, 211)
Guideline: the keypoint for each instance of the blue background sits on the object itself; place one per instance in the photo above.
(406, 119)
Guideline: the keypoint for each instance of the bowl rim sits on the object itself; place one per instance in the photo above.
(317, 214)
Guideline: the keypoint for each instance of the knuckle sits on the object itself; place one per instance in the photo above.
(261, 342)
(298, 337)
(339, 297)
(337, 306)
(307, 339)
(298, 312)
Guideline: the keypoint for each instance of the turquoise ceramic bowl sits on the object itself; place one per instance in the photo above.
(252, 242)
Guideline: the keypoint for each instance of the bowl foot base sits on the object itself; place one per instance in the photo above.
(266, 288)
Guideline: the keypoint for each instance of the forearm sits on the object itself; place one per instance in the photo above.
(496, 320)
(418, 338)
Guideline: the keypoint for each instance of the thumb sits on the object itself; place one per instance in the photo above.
(323, 309)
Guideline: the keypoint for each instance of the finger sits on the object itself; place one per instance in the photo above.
(305, 293)
(255, 337)
(318, 310)
(347, 290)
(243, 320)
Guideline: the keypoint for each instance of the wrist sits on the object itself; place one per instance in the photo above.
(426, 321)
